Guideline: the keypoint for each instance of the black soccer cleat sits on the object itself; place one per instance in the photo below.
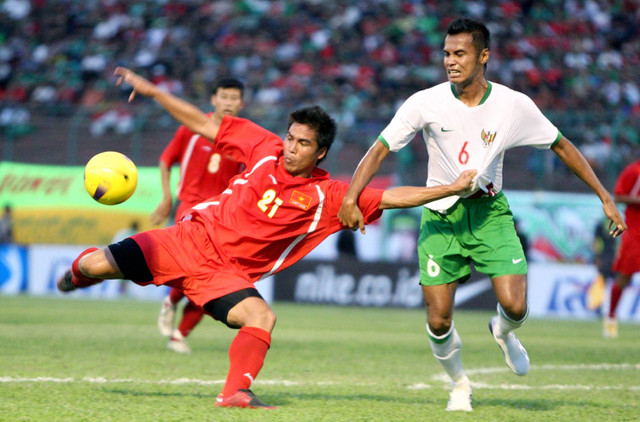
(65, 284)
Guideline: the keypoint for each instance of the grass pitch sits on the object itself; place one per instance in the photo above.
(67, 359)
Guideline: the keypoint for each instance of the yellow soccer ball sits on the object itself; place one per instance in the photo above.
(110, 177)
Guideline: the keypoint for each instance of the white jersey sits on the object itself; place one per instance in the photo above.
(462, 138)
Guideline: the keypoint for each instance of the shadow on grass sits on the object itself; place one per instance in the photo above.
(137, 393)
(534, 404)
(285, 398)
(288, 397)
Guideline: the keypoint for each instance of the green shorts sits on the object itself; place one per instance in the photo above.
(479, 230)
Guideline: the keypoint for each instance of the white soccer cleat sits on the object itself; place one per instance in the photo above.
(460, 396)
(167, 317)
(610, 327)
(515, 356)
(177, 343)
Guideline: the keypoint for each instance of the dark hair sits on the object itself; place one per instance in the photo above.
(320, 121)
(228, 83)
(479, 32)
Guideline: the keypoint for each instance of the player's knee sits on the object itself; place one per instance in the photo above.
(242, 308)
(262, 317)
(267, 319)
(439, 325)
(515, 310)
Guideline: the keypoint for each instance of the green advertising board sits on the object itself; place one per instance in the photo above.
(51, 205)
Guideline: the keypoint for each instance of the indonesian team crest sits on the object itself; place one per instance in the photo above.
(487, 138)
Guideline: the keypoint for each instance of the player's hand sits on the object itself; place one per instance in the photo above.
(464, 182)
(161, 212)
(139, 84)
(351, 216)
(617, 224)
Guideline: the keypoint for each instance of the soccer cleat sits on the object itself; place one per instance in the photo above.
(65, 283)
(610, 327)
(167, 317)
(242, 398)
(460, 396)
(177, 343)
(69, 282)
(515, 356)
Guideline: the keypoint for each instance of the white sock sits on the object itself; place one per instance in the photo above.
(505, 324)
(446, 348)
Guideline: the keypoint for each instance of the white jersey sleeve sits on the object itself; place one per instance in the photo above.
(407, 121)
(530, 127)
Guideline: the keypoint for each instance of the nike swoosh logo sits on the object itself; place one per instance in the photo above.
(515, 261)
(446, 130)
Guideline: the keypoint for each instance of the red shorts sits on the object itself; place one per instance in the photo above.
(182, 256)
(628, 256)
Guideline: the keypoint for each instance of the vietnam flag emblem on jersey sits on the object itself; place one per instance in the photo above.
(301, 200)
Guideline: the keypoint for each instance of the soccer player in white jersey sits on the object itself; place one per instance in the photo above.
(469, 122)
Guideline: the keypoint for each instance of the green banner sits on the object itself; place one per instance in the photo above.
(51, 205)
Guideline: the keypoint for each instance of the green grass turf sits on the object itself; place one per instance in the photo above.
(67, 359)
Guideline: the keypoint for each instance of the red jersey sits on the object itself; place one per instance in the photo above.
(268, 219)
(265, 221)
(628, 184)
(205, 171)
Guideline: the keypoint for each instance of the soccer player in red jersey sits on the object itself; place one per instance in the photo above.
(205, 171)
(271, 216)
(627, 260)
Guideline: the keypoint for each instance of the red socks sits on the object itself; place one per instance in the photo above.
(191, 316)
(246, 353)
(80, 280)
(175, 295)
(616, 292)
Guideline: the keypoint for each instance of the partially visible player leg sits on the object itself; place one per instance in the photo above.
(92, 266)
(446, 344)
(167, 315)
(248, 349)
(191, 315)
(610, 323)
(513, 310)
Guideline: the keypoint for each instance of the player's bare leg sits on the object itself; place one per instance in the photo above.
(513, 310)
(92, 266)
(247, 352)
(445, 342)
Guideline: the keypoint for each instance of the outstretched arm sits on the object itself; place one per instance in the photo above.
(349, 214)
(412, 196)
(574, 159)
(163, 209)
(185, 113)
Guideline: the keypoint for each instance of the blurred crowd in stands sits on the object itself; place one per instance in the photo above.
(358, 58)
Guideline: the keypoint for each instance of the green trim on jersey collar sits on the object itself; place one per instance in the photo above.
(486, 93)
(484, 97)
(384, 142)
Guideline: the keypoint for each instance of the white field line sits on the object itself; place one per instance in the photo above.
(578, 367)
(438, 379)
